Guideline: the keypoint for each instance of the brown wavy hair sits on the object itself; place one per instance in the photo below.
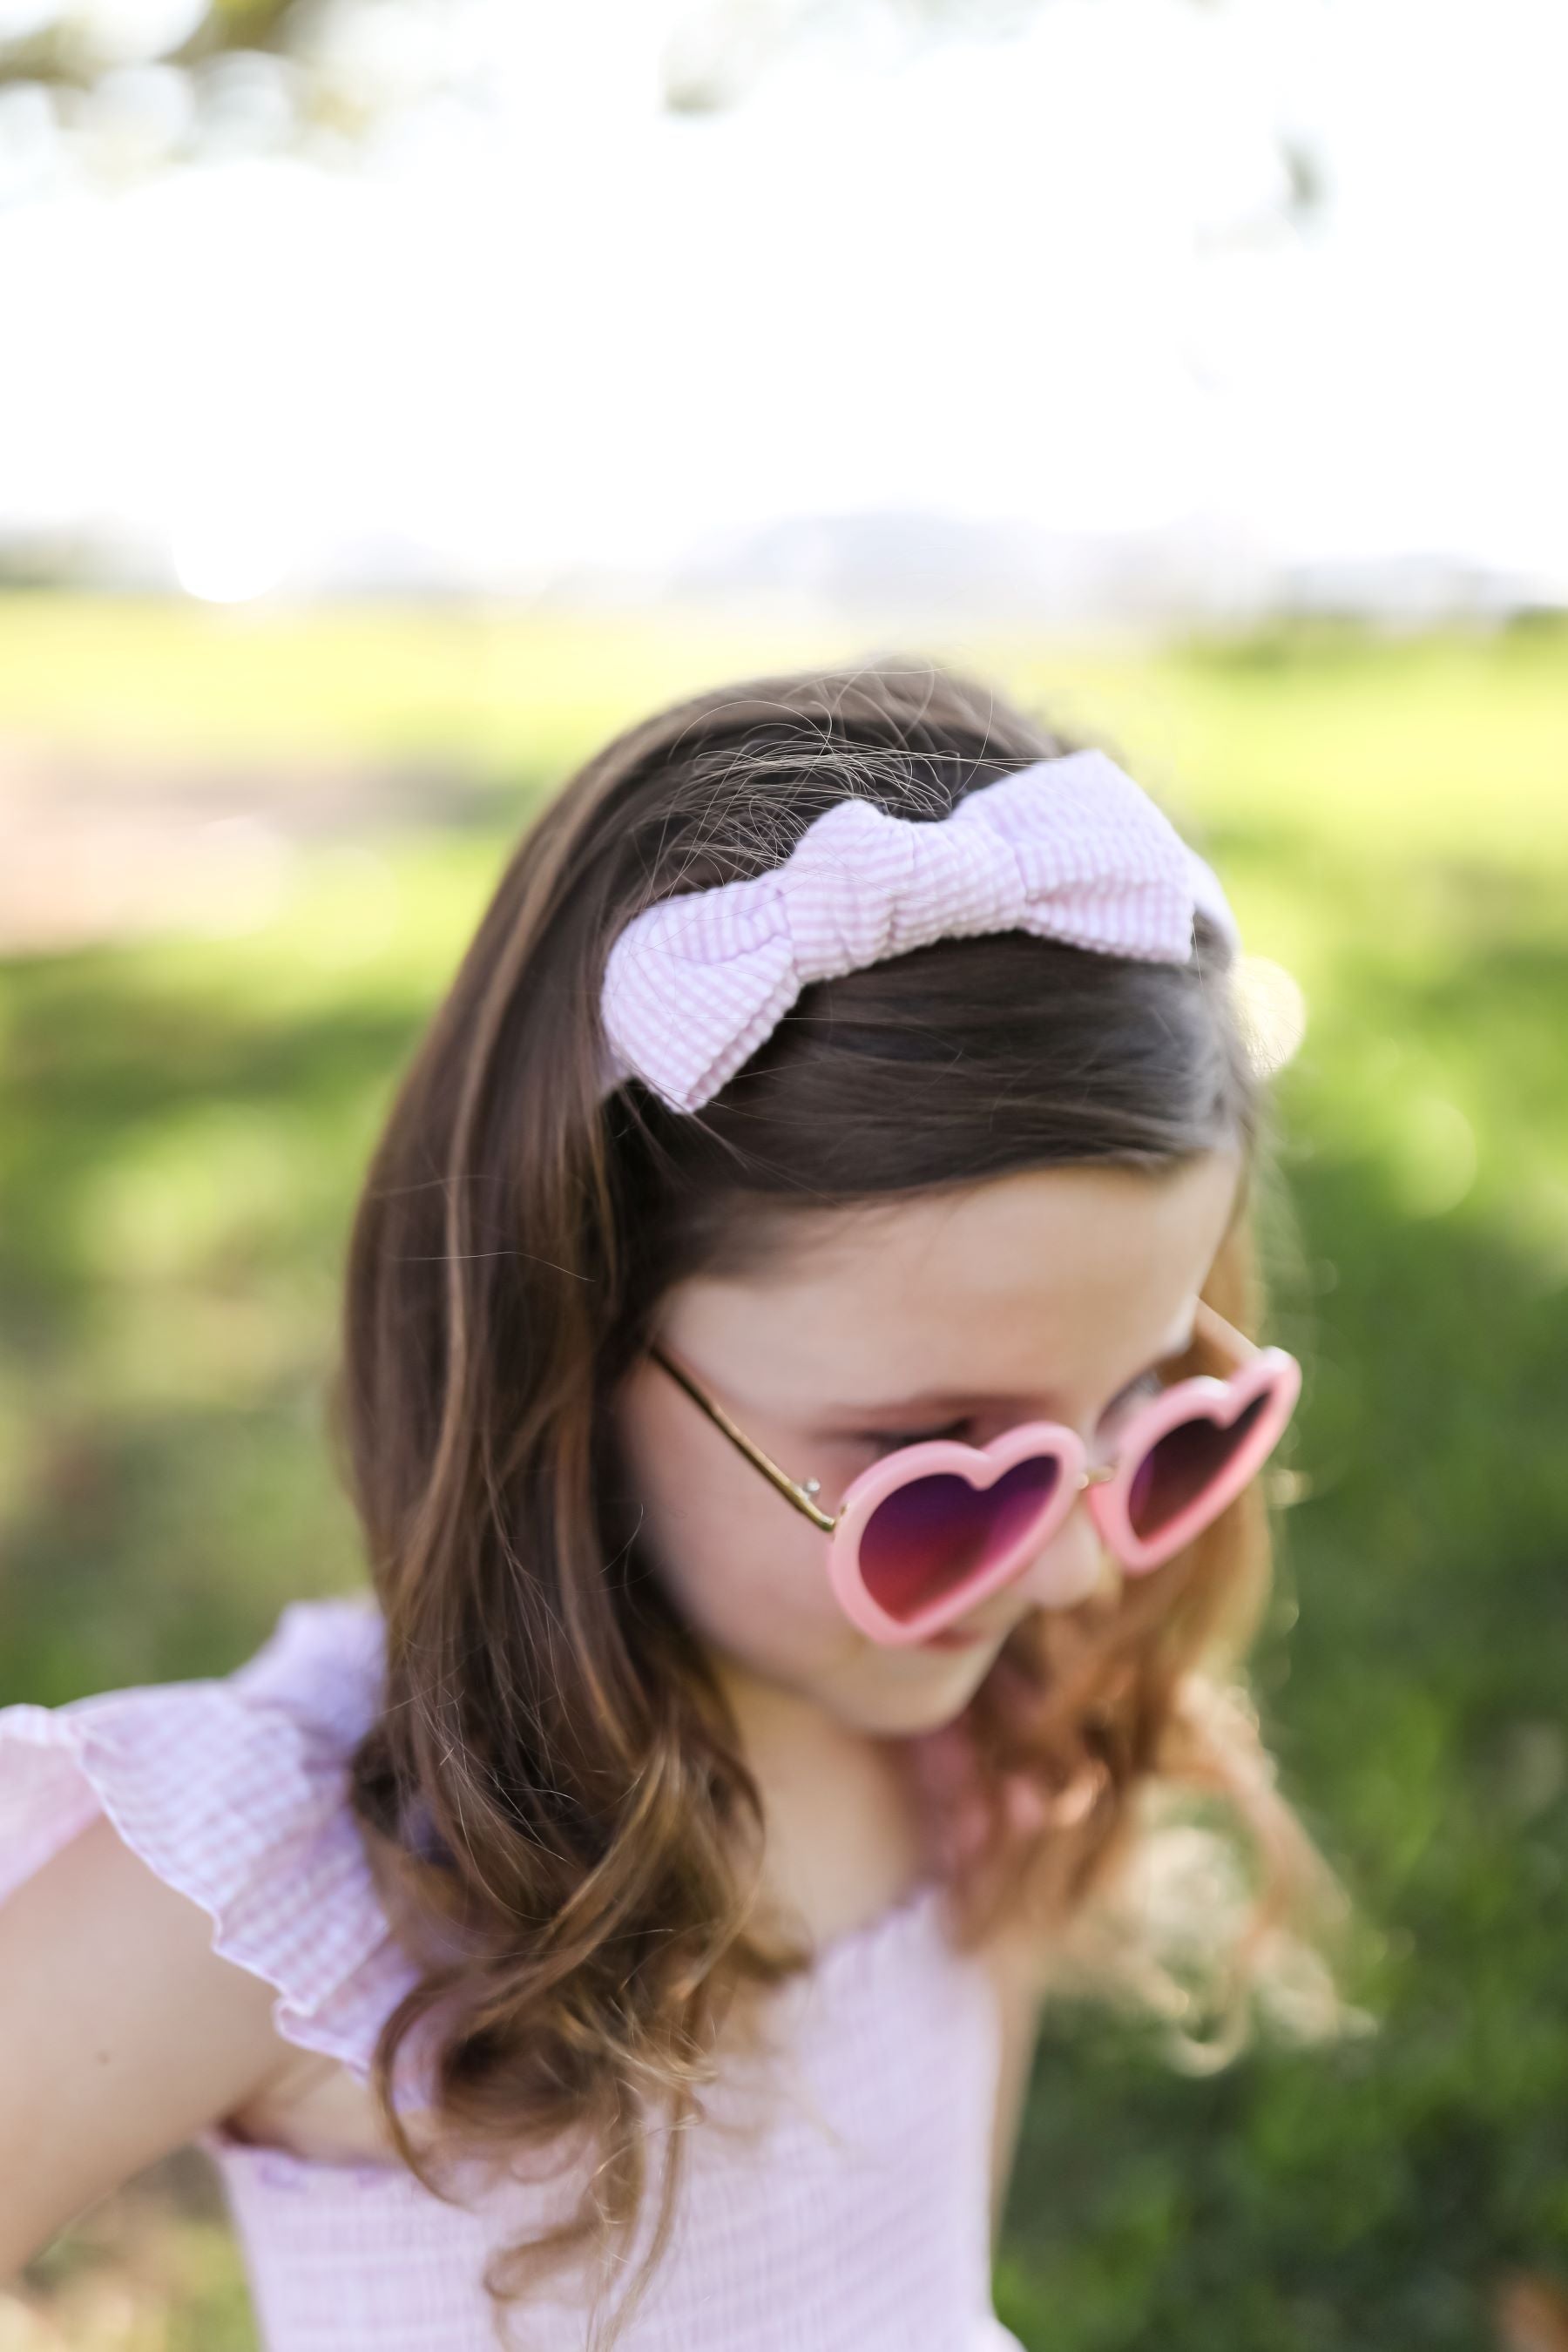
(553, 1797)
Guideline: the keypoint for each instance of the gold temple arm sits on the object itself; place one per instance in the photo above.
(791, 1488)
(1210, 1323)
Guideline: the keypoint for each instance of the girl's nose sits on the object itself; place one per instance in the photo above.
(1070, 1567)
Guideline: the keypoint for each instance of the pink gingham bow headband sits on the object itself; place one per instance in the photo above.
(1070, 848)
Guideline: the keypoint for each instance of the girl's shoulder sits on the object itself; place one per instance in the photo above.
(235, 1790)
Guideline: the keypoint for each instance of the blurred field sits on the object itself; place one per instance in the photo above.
(242, 855)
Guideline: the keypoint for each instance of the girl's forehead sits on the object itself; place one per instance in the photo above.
(1038, 1224)
(994, 1276)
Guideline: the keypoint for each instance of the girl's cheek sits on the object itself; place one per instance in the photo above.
(774, 1606)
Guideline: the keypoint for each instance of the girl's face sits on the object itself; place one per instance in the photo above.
(1049, 1296)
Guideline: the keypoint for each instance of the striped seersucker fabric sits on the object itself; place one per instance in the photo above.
(1070, 848)
(848, 2212)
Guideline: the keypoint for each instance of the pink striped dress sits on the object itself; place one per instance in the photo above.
(851, 2213)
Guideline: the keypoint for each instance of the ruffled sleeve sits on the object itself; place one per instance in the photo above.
(234, 1791)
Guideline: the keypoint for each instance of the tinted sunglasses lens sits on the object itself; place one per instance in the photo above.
(926, 1540)
(1183, 1464)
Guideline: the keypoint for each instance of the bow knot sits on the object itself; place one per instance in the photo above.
(1068, 848)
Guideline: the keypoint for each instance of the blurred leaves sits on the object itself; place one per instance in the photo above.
(123, 88)
(132, 86)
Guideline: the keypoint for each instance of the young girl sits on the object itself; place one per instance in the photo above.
(799, 1390)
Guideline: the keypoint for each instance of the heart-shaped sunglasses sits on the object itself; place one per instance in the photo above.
(924, 1534)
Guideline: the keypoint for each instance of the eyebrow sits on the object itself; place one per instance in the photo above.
(949, 1401)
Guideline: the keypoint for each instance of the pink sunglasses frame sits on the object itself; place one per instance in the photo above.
(1272, 1373)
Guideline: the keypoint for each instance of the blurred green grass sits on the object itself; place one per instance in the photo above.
(189, 1116)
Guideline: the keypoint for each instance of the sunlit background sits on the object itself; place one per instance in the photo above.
(1239, 305)
(396, 397)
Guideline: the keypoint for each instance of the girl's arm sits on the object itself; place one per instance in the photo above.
(121, 2034)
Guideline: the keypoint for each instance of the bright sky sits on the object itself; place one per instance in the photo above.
(1037, 277)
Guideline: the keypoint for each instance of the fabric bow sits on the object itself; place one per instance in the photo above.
(1070, 848)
